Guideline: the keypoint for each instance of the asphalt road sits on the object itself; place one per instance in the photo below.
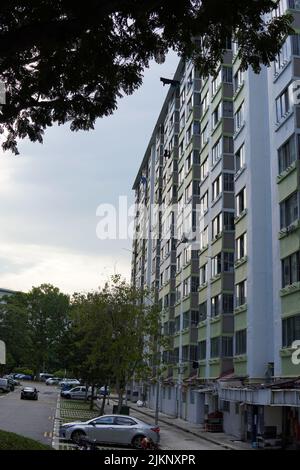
(29, 418)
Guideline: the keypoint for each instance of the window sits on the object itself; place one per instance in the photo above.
(188, 163)
(186, 287)
(204, 238)
(204, 203)
(227, 109)
(290, 330)
(295, 44)
(189, 192)
(194, 284)
(240, 294)
(216, 82)
(227, 144)
(188, 135)
(204, 135)
(238, 80)
(202, 350)
(180, 176)
(216, 264)
(287, 154)
(228, 262)
(193, 353)
(196, 128)
(228, 182)
(225, 406)
(177, 324)
(227, 43)
(239, 118)
(240, 202)
(291, 269)
(216, 305)
(203, 274)
(204, 169)
(227, 346)
(228, 221)
(187, 255)
(185, 320)
(216, 115)
(294, 4)
(241, 342)
(217, 151)
(240, 158)
(215, 347)
(203, 311)
(285, 54)
(284, 103)
(185, 354)
(178, 293)
(217, 225)
(109, 420)
(204, 103)
(195, 318)
(216, 187)
(227, 303)
(120, 421)
(227, 74)
(289, 210)
(241, 246)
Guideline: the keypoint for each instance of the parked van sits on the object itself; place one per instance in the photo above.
(4, 386)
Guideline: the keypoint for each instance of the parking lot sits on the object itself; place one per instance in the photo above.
(30, 418)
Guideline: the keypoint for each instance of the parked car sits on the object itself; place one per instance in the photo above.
(44, 376)
(5, 385)
(29, 393)
(73, 382)
(79, 393)
(112, 429)
(52, 381)
(26, 377)
(103, 392)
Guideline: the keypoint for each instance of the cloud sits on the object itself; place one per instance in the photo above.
(49, 195)
(24, 266)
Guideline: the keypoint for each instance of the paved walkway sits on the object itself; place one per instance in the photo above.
(224, 440)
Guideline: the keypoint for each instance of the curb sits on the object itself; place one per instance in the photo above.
(56, 426)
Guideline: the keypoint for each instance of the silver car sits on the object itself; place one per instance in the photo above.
(111, 429)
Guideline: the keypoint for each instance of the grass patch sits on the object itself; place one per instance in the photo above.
(12, 441)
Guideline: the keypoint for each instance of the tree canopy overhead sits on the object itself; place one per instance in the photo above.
(65, 61)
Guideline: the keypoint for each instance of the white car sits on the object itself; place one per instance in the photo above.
(52, 381)
(78, 393)
(111, 429)
(69, 382)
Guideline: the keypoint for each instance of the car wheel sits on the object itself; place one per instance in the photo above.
(137, 442)
(77, 435)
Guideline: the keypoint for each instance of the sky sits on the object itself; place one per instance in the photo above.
(49, 195)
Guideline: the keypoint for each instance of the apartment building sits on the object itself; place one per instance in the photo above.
(223, 164)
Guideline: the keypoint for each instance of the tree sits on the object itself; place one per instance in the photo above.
(35, 328)
(92, 339)
(135, 327)
(14, 330)
(48, 320)
(63, 61)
